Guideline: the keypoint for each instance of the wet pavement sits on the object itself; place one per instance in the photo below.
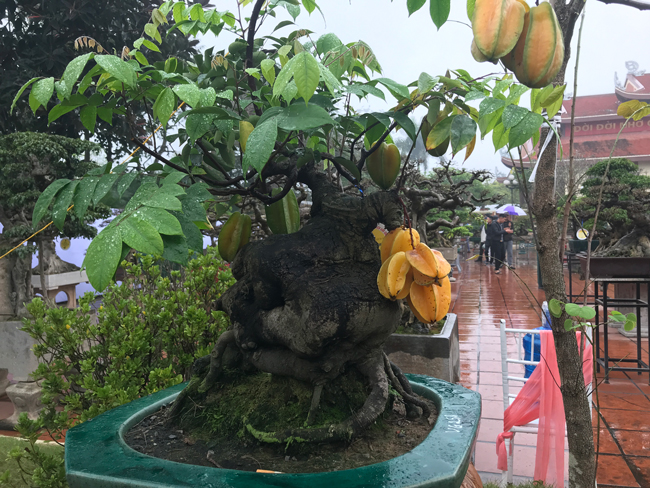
(482, 299)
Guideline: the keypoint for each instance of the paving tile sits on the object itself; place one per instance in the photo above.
(634, 442)
(623, 401)
(641, 466)
(492, 409)
(489, 378)
(485, 459)
(604, 443)
(613, 470)
(490, 366)
(619, 386)
(489, 430)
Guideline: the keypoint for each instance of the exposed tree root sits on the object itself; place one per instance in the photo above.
(398, 383)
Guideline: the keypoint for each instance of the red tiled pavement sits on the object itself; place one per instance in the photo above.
(482, 299)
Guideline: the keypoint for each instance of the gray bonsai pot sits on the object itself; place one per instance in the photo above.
(96, 455)
(432, 355)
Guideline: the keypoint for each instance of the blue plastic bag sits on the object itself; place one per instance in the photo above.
(532, 348)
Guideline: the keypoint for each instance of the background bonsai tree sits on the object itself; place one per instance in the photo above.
(623, 224)
(29, 163)
(264, 119)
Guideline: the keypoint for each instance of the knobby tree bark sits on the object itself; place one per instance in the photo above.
(582, 462)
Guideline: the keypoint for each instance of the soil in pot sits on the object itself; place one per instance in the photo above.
(216, 434)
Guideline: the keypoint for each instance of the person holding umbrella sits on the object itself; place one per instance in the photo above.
(507, 241)
(497, 233)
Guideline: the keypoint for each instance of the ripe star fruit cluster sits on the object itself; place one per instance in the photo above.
(411, 270)
(528, 41)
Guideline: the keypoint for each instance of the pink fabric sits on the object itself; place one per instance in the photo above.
(541, 398)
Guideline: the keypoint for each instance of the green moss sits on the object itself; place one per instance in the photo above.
(256, 405)
(434, 329)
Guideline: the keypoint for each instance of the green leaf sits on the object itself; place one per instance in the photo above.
(59, 111)
(463, 130)
(587, 313)
(190, 94)
(197, 125)
(73, 72)
(398, 90)
(470, 9)
(283, 216)
(490, 105)
(141, 236)
(118, 69)
(161, 199)
(629, 326)
(414, 5)
(440, 132)
(516, 91)
(512, 115)
(350, 166)
(103, 257)
(303, 117)
(41, 93)
(309, 5)
(44, 200)
(332, 83)
(426, 82)
(568, 325)
(176, 249)
(20, 92)
(142, 194)
(474, 95)
(439, 10)
(499, 136)
(555, 307)
(106, 114)
(306, 74)
(63, 201)
(572, 309)
(405, 123)
(617, 316)
(164, 106)
(631, 317)
(268, 70)
(84, 195)
(88, 117)
(104, 185)
(526, 129)
(125, 182)
(260, 145)
(192, 234)
(553, 101)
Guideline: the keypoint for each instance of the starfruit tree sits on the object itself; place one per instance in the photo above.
(258, 120)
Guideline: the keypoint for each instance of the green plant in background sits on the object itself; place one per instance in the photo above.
(578, 315)
(144, 337)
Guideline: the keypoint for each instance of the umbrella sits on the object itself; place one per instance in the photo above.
(511, 209)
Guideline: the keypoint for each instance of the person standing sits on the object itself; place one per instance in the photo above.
(497, 245)
(489, 252)
(507, 240)
(481, 248)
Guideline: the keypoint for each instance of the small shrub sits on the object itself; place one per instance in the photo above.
(143, 337)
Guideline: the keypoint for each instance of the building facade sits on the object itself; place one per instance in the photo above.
(597, 126)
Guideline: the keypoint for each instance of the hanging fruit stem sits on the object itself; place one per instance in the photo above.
(408, 221)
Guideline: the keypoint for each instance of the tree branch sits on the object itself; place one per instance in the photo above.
(637, 4)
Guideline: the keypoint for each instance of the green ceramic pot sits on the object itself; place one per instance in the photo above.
(96, 455)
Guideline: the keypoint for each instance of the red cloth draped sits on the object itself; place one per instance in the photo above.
(541, 398)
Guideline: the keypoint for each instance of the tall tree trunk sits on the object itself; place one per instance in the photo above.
(582, 462)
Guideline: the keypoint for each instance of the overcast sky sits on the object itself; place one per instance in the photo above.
(405, 46)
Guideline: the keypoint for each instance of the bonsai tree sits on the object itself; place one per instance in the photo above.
(29, 162)
(623, 224)
(258, 120)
